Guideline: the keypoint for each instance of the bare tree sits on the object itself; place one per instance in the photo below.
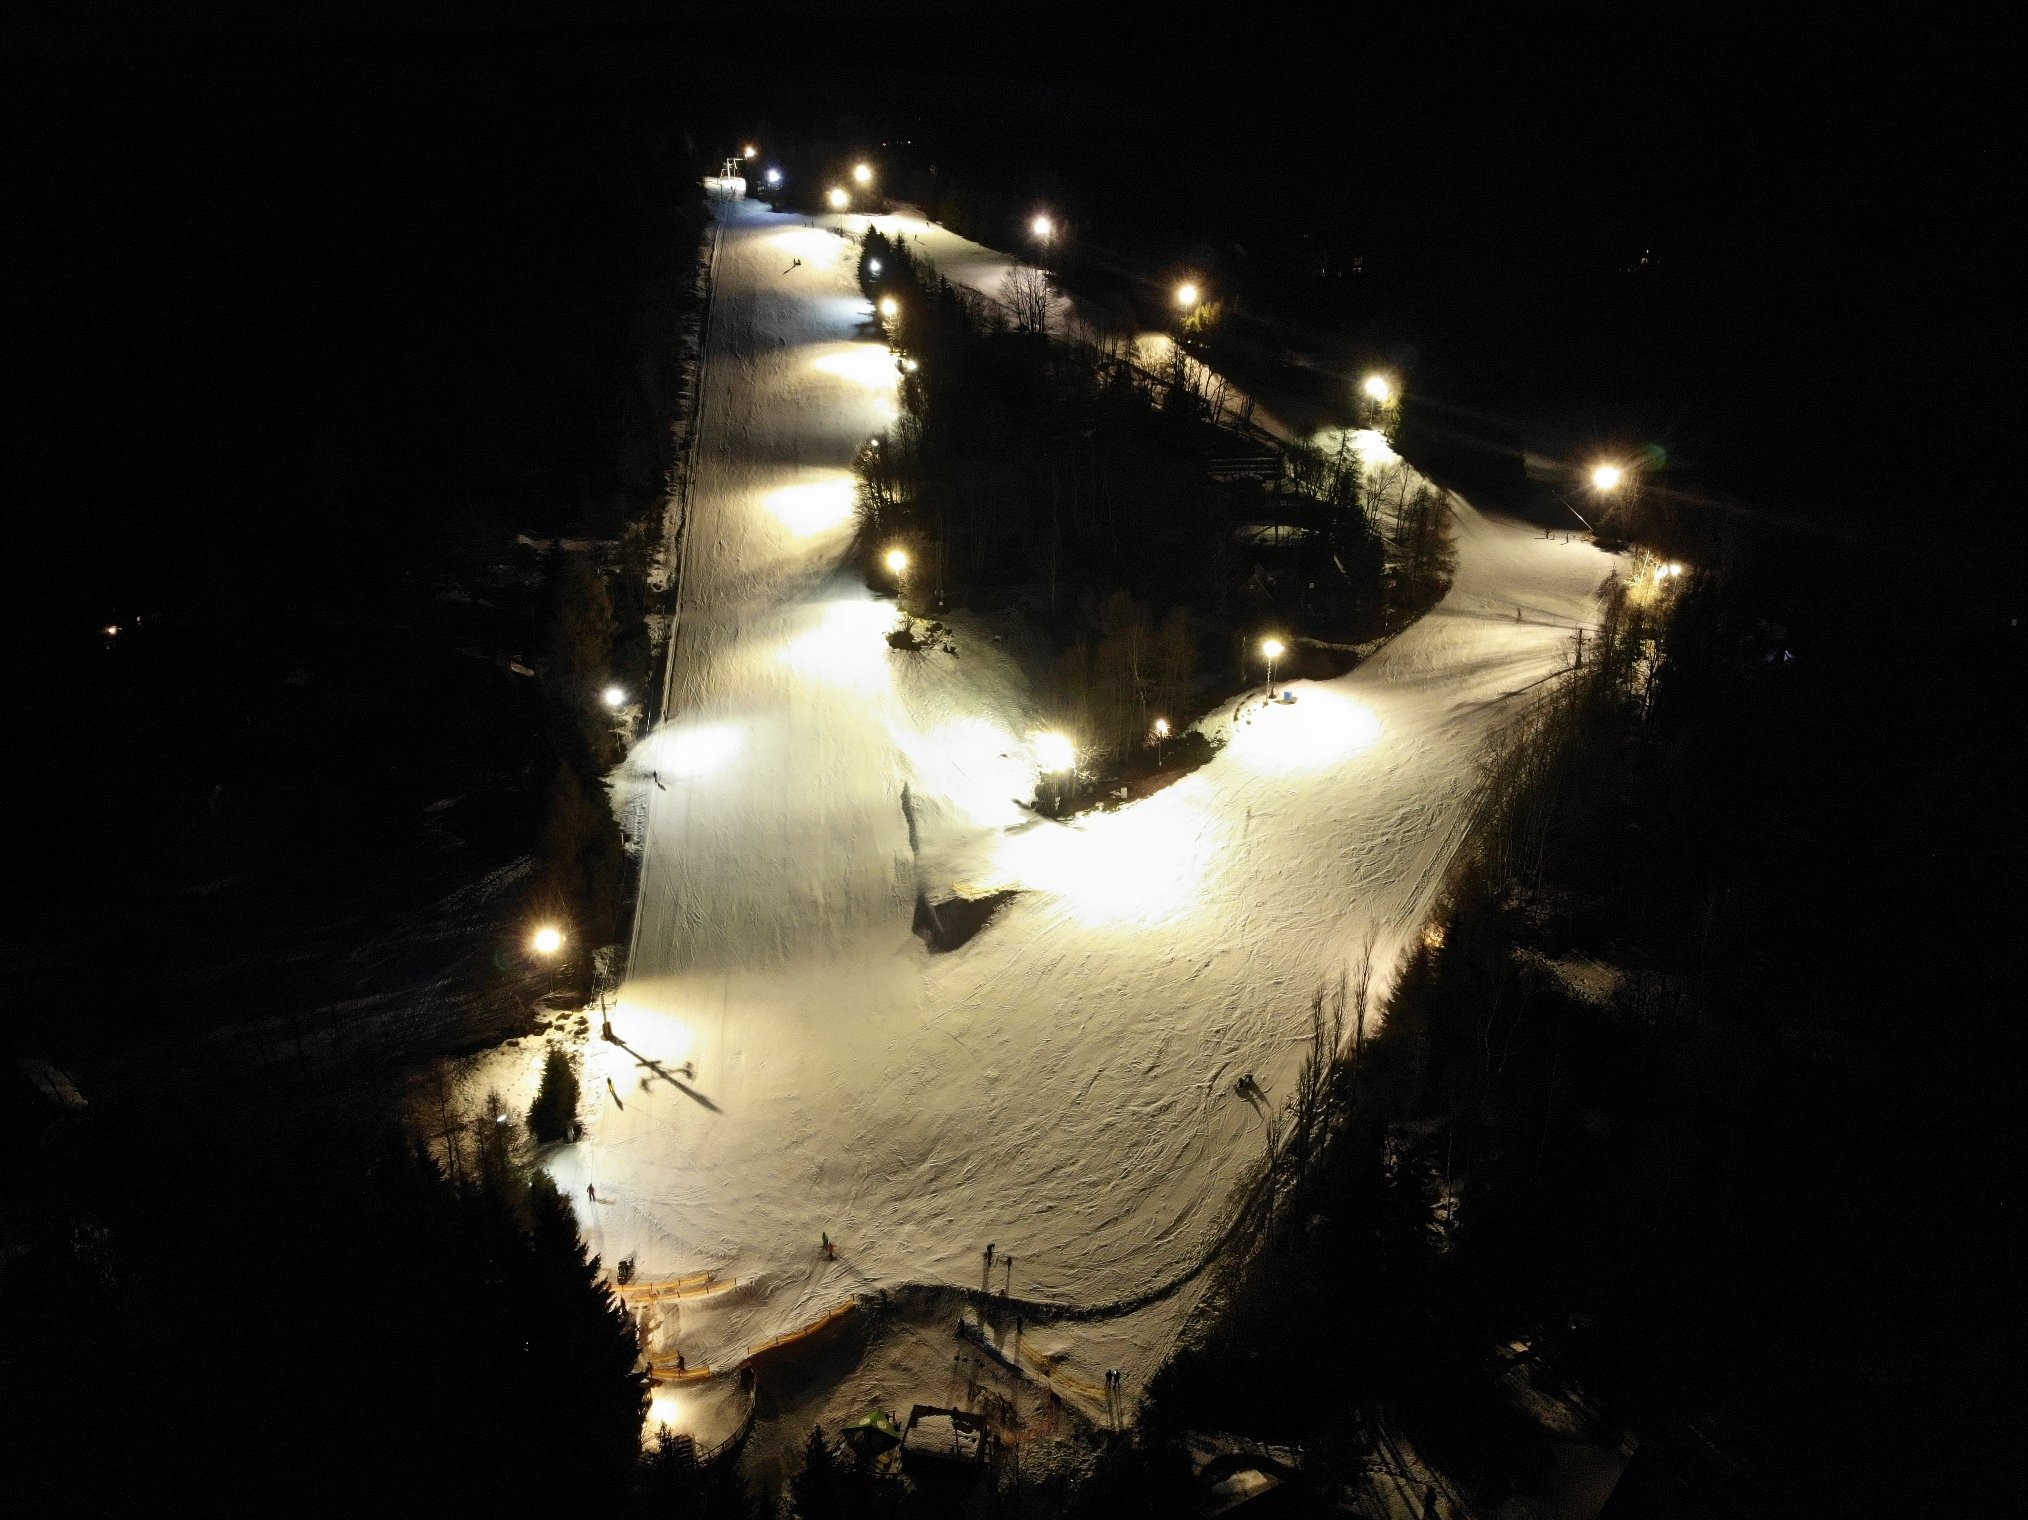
(1026, 294)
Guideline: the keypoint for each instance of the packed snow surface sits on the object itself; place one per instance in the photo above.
(791, 1062)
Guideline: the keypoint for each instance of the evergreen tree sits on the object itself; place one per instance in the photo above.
(822, 1490)
(552, 1117)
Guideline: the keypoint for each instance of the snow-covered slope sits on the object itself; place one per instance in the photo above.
(795, 1063)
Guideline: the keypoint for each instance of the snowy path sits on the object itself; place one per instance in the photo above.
(794, 1062)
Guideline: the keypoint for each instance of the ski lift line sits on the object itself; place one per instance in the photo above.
(660, 708)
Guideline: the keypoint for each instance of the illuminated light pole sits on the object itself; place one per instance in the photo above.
(837, 198)
(873, 266)
(613, 696)
(1379, 388)
(546, 941)
(750, 151)
(1161, 733)
(862, 174)
(896, 561)
(1188, 295)
(774, 176)
(1606, 477)
(1043, 228)
(1274, 650)
(889, 307)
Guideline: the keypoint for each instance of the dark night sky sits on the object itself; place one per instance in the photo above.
(1826, 203)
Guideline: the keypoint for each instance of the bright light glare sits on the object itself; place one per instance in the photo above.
(1377, 387)
(897, 561)
(751, 150)
(863, 173)
(838, 199)
(698, 751)
(774, 176)
(665, 1408)
(112, 630)
(1372, 447)
(974, 766)
(873, 266)
(1186, 295)
(844, 643)
(1162, 727)
(1145, 864)
(1322, 730)
(910, 365)
(889, 307)
(868, 364)
(1606, 477)
(811, 507)
(1042, 227)
(613, 696)
(1054, 753)
(1272, 648)
(547, 940)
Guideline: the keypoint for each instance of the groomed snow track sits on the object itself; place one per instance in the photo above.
(793, 1063)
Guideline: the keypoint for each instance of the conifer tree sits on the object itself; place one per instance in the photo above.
(552, 1117)
(821, 1491)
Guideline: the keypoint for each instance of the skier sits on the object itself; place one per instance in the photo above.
(989, 1256)
(679, 1362)
(830, 1251)
(591, 1192)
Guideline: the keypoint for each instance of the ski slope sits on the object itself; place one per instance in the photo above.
(792, 1062)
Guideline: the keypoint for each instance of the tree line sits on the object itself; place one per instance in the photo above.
(1646, 1100)
(1059, 467)
(237, 1306)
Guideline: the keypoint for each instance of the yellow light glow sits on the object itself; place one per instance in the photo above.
(1162, 727)
(897, 561)
(844, 643)
(665, 1409)
(1322, 730)
(696, 751)
(112, 630)
(910, 365)
(811, 507)
(838, 199)
(863, 173)
(1274, 649)
(889, 307)
(1186, 295)
(1377, 387)
(547, 940)
(867, 364)
(751, 150)
(1054, 753)
(1142, 865)
(613, 696)
(1042, 227)
(973, 764)
(1606, 477)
